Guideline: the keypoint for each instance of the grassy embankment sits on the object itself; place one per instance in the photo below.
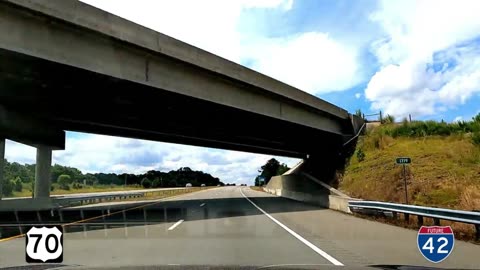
(107, 188)
(26, 191)
(155, 195)
(445, 169)
(257, 188)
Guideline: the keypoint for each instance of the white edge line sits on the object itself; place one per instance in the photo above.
(175, 225)
(296, 235)
(203, 204)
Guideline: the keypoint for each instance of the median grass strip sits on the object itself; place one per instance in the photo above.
(257, 188)
(85, 189)
(155, 195)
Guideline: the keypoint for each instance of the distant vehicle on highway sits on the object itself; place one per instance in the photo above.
(188, 185)
(202, 185)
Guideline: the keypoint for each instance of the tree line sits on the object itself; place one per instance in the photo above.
(16, 176)
(272, 168)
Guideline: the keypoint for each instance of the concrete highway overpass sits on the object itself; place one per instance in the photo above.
(67, 66)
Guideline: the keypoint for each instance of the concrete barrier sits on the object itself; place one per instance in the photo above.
(27, 204)
(300, 188)
(339, 203)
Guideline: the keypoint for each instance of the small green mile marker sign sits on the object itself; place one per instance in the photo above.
(403, 160)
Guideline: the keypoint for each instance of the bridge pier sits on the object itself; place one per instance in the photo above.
(39, 133)
(42, 172)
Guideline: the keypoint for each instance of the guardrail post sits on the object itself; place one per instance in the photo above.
(145, 227)
(477, 232)
(19, 223)
(39, 217)
(436, 221)
(420, 221)
(125, 223)
(84, 226)
(105, 227)
(407, 217)
(165, 215)
(394, 215)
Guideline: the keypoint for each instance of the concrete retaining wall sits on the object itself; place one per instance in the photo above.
(299, 188)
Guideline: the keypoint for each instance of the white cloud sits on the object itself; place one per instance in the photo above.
(312, 61)
(458, 119)
(19, 152)
(429, 62)
(358, 95)
(98, 153)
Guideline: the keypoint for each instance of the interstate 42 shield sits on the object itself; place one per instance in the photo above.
(435, 242)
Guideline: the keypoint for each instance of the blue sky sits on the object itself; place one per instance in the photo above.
(399, 56)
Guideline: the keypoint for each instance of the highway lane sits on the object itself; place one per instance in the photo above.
(221, 227)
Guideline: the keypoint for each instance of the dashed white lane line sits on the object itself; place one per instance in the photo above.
(175, 225)
(296, 235)
(202, 205)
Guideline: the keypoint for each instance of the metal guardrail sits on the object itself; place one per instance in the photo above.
(437, 214)
(83, 199)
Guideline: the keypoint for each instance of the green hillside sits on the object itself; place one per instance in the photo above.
(445, 169)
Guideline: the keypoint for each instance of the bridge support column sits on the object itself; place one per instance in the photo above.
(42, 172)
(2, 161)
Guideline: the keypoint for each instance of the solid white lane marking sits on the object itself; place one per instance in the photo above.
(203, 204)
(296, 235)
(175, 225)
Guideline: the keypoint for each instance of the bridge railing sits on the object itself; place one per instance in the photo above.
(437, 214)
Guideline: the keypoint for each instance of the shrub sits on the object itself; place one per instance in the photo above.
(77, 186)
(64, 181)
(156, 183)
(389, 119)
(360, 155)
(146, 183)
(429, 128)
(476, 138)
(32, 187)
(8, 186)
(476, 118)
(17, 184)
(359, 113)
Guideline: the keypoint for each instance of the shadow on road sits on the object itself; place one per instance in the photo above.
(140, 214)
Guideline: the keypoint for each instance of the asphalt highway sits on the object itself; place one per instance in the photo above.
(239, 226)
